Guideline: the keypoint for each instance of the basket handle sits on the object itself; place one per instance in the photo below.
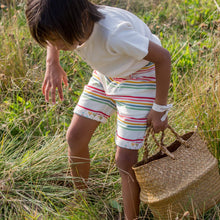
(160, 144)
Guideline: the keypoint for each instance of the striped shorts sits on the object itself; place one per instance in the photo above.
(131, 97)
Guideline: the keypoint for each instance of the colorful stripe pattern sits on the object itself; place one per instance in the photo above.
(132, 97)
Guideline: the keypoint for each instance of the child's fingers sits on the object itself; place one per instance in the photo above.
(160, 126)
(47, 91)
(44, 87)
(148, 122)
(53, 94)
(65, 80)
(60, 91)
(149, 119)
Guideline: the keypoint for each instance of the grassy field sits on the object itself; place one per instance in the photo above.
(35, 182)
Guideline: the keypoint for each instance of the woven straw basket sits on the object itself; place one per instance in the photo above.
(186, 180)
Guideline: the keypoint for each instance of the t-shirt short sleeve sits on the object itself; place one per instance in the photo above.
(126, 41)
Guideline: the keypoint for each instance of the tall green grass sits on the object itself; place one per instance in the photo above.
(35, 182)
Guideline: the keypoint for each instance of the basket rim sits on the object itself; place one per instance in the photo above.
(172, 148)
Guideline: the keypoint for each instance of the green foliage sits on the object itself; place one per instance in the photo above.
(34, 177)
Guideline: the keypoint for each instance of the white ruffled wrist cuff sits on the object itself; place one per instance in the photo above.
(162, 108)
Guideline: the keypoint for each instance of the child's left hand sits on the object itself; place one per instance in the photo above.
(154, 120)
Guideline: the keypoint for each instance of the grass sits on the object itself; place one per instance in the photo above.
(34, 177)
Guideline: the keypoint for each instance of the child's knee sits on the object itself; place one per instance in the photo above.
(125, 159)
(72, 135)
(80, 131)
(74, 138)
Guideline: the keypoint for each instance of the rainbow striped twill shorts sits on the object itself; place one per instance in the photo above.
(131, 97)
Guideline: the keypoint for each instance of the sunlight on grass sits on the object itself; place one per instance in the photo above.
(35, 181)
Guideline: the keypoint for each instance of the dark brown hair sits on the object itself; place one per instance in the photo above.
(66, 19)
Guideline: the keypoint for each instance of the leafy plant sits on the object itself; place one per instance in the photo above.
(35, 182)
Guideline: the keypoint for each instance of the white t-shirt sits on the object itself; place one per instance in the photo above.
(118, 43)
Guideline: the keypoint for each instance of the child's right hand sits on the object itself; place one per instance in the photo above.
(154, 120)
(53, 79)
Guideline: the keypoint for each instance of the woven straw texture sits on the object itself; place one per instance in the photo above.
(188, 183)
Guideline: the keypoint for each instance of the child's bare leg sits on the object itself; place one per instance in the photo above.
(78, 136)
(125, 159)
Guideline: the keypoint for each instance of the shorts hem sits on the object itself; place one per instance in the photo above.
(129, 145)
(90, 115)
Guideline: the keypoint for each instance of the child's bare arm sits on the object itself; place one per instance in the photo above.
(162, 60)
(54, 75)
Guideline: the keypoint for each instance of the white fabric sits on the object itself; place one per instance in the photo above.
(118, 43)
(162, 108)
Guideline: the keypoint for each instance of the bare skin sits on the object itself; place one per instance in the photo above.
(79, 160)
(125, 159)
(54, 75)
(162, 60)
(78, 151)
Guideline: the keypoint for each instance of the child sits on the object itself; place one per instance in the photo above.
(131, 74)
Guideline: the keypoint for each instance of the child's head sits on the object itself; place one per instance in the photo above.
(67, 20)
